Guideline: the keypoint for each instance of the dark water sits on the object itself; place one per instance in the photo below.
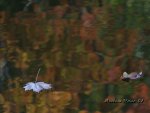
(82, 49)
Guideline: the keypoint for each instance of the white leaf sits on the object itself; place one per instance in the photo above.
(44, 85)
(132, 76)
(37, 86)
(135, 75)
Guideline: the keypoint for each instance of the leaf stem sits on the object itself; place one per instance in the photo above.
(37, 74)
